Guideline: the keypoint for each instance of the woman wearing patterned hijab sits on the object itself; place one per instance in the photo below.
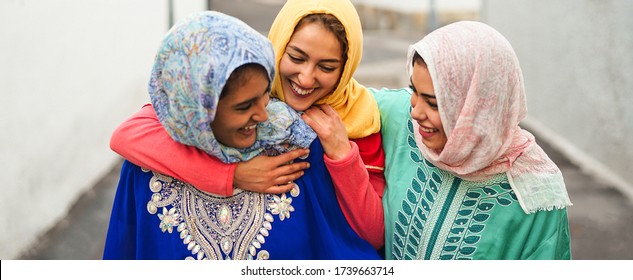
(465, 181)
(318, 46)
(210, 88)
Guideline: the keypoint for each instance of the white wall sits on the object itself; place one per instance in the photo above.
(577, 61)
(70, 72)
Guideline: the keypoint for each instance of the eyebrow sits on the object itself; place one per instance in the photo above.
(421, 93)
(332, 60)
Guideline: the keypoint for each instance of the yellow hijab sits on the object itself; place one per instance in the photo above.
(353, 102)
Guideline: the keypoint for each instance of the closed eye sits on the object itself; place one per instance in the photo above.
(327, 69)
(295, 58)
(429, 99)
(246, 105)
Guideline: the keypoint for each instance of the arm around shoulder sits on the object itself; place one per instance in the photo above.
(142, 140)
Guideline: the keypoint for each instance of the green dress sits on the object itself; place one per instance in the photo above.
(432, 214)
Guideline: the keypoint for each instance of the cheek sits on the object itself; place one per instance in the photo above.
(285, 67)
(330, 80)
(434, 116)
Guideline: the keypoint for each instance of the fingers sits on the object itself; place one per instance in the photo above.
(328, 110)
(310, 122)
(317, 120)
(321, 114)
(289, 172)
(290, 156)
(314, 113)
(266, 174)
(274, 189)
(280, 184)
(280, 188)
(288, 176)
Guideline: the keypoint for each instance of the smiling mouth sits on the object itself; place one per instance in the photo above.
(299, 90)
(250, 127)
(428, 130)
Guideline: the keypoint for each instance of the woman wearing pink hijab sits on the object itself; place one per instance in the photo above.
(464, 181)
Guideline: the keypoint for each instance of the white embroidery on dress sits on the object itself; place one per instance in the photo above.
(216, 227)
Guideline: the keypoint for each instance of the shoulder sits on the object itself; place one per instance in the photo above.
(392, 100)
(130, 167)
(132, 173)
(385, 96)
(372, 140)
(371, 150)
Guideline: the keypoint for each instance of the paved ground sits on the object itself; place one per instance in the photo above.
(601, 220)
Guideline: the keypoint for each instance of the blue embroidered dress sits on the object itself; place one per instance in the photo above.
(158, 217)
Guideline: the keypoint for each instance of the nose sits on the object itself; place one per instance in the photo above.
(261, 115)
(417, 110)
(306, 77)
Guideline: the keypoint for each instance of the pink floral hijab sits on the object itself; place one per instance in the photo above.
(481, 99)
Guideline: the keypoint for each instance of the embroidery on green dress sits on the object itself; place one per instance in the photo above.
(413, 228)
(212, 226)
(415, 208)
(470, 219)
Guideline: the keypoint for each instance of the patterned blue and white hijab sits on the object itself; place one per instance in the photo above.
(192, 65)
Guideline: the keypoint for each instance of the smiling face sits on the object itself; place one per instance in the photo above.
(241, 107)
(425, 111)
(311, 65)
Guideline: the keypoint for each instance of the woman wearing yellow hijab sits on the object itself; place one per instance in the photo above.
(318, 46)
(352, 101)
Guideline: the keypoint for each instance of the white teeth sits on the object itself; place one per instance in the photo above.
(428, 130)
(300, 91)
(250, 127)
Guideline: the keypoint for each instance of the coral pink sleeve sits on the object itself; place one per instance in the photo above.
(359, 188)
(142, 140)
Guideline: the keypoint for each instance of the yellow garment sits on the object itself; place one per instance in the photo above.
(353, 102)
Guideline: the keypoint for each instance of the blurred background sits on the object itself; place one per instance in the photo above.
(72, 70)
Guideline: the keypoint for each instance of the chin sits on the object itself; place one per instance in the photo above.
(297, 106)
(430, 146)
(297, 103)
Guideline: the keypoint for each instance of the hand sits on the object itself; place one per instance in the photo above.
(266, 174)
(330, 128)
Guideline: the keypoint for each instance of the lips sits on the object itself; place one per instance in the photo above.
(248, 130)
(250, 127)
(426, 132)
(299, 91)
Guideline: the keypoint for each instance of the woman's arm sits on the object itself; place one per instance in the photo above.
(142, 140)
(359, 188)
(356, 168)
